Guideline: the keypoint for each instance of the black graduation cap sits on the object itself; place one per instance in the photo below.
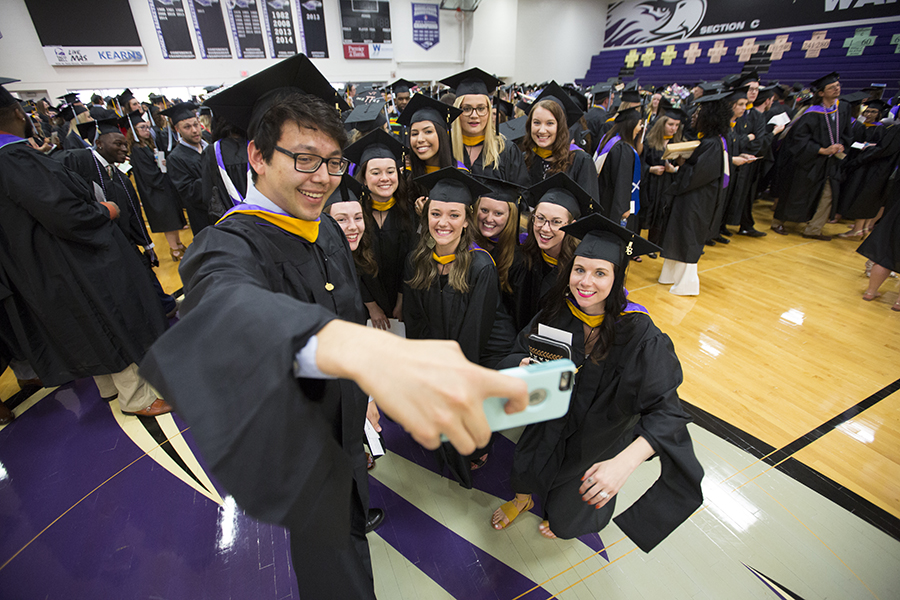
(124, 98)
(601, 90)
(6, 99)
(740, 79)
(180, 111)
(244, 103)
(472, 81)
(154, 98)
(632, 92)
(879, 105)
(524, 106)
(423, 108)
(27, 106)
(606, 240)
(367, 116)
(825, 80)
(378, 144)
(765, 93)
(452, 185)
(622, 115)
(507, 108)
(349, 190)
(552, 91)
(668, 109)
(401, 86)
(576, 96)
(132, 118)
(70, 98)
(70, 111)
(854, 98)
(105, 126)
(209, 88)
(514, 129)
(710, 87)
(87, 130)
(562, 190)
(730, 95)
(504, 191)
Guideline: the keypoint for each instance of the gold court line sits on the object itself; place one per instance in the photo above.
(116, 474)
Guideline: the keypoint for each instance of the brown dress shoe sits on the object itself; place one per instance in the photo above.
(6, 415)
(817, 236)
(159, 407)
(779, 229)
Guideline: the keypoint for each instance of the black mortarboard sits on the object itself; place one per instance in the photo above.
(524, 106)
(622, 115)
(367, 116)
(472, 81)
(765, 93)
(105, 126)
(507, 108)
(552, 91)
(632, 92)
(879, 105)
(6, 99)
(666, 108)
(70, 98)
(401, 86)
(740, 79)
(605, 240)
(854, 98)
(562, 190)
(423, 108)
(244, 103)
(155, 98)
(124, 98)
(349, 190)
(70, 111)
(514, 130)
(825, 80)
(452, 185)
(27, 106)
(133, 118)
(577, 97)
(180, 112)
(501, 190)
(87, 130)
(710, 87)
(601, 91)
(211, 88)
(378, 144)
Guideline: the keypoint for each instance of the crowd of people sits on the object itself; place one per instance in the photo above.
(472, 212)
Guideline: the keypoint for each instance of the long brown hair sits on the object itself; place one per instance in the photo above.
(364, 255)
(425, 268)
(532, 251)
(561, 157)
(132, 141)
(402, 199)
(654, 138)
(505, 245)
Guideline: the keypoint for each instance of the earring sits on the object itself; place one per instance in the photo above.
(430, 243)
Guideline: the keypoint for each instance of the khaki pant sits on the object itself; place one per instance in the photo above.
(823, 209)
(134, 392)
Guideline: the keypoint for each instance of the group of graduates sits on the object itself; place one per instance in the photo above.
(311, 218)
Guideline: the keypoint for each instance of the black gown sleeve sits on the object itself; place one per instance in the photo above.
(615, 182)
(703, 167)
(584, 173)
(186, 176)
(481, 308)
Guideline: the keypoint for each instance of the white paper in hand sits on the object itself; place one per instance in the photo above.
(373, 439)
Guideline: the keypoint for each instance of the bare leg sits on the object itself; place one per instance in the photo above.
(544, 528)
(879, 274)
(174, 239)
(858, 229)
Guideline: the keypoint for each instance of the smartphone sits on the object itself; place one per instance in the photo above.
(549, 391)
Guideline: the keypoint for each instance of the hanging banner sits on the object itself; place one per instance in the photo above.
(246, 29)
(632, 23)
(312, 28)
(209, 25)
(280, 28)
(426, 24)
(172, 28)
(366, 29)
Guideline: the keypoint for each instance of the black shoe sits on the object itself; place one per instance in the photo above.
(374, 519)
(817, 236)
(709, 243)
(653, 255)
(721, 239)
(725, 231)
(779, 229)
(752, 233)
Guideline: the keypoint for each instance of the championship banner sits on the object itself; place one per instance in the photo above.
(280, 28)
(209, 25)
(246, 29)
(645, 22)
(426, 24)
(366, 29)
(312, 28)
(172, 28)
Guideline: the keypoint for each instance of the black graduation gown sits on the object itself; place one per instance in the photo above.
(100, 112)
(615, 181)
(802, 170)
(697, 191)
(235, 161)
(883, 244)
(582, 170)
(633, 392)
(183, 166)
(391, 244)
(743, 178)
(655, 201)
(289, 450)
(158, 194)
(117, 189)
(511, 167)
(73, 141)
(75, 296)
(595, 118)
(863, 191)
(530, 286)
(161, 138)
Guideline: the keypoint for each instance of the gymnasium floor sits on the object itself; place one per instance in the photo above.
(792, 380)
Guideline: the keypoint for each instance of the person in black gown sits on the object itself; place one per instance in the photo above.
(658, 174)
(882, 247)
(619, 166)
(184, 165)
(624, 408)
(223, 168)
(496, 215)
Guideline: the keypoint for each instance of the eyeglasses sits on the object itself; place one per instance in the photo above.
(478, 110)
(310, 163)
(540, 221)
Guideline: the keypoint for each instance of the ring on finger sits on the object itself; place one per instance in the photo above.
(590, 480)
(604, 495)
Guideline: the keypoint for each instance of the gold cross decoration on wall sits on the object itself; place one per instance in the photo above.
(749, 48)
(718, 50)
(669, 55)
(631, 58)
(692, 53)
(816, 44)
(648, 57)
(777, 48)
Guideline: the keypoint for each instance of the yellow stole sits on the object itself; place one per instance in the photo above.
(473, 141)
(749, 105)
(668, 137)
(429, 169)
(544, 153)
(383, 206)
(548, 259)
(589, 320)
(444, 260)
(308, 230)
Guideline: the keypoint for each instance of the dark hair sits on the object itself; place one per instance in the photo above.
(8, 114)
(364, 255)
(96, 98)
(532, 252)
(560, 149)
(444, 153)
(222, 129)
(624, 129)
(308, 112)
(404, 204)
(554, 304)
(506, 242)
(715, 118)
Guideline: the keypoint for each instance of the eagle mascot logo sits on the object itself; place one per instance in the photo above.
(651, 21)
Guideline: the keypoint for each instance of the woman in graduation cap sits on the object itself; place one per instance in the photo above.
(548, 149)
(624, 408)
(497, 228)
(477, 142)
(158, 195)
(451, 289)
(390, 214)
(557, 202)
(619, 169)
(699, 189)
(658, 174)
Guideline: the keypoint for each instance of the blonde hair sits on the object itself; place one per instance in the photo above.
(425, 268)
(494, 143)
(654, 138)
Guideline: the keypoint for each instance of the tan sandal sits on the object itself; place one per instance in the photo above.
(511, 511)
(177, 254)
